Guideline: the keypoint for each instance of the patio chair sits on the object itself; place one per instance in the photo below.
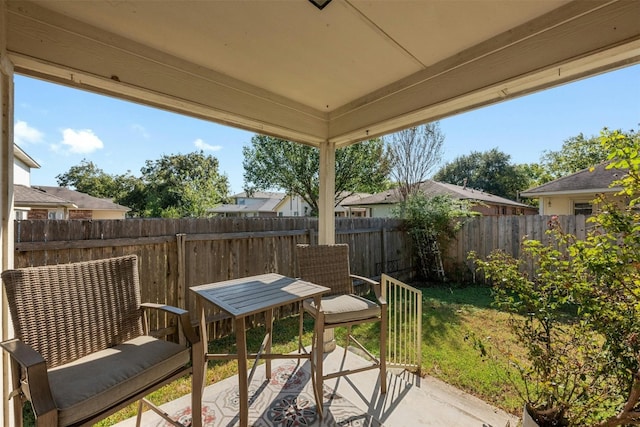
(82, 348)
(328, 265)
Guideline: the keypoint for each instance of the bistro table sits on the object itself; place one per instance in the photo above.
(244, 297)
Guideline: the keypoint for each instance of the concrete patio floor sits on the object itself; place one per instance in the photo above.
(353, 400)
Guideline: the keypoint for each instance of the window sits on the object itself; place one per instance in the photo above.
(582, 208)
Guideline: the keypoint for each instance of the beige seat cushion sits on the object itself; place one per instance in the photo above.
(344, 308)
(84, 387)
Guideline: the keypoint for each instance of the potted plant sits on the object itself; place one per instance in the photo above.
(576, 316)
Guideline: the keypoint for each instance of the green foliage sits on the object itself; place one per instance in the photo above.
(272, 163)
(429, 220)
(183, 185)
(592, 284)
(490, 171)
(562, 368)
(87, 178)
(440, 215)
(179, 185)
(577, 153)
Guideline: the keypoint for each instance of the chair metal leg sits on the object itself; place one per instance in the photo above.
(300, 325)
(317, 348)
(383, 350)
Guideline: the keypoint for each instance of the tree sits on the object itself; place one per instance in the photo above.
(272, 163)
(577, 153)
(183, 185)
(413, 153)
(489, 171)
(89, 179)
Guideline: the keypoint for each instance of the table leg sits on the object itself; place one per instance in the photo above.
(199, 369)
(317, 349)
(243, 387)
(269, 329)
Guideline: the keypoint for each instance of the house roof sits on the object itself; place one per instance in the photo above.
(34, 197)
(82, 200)
(432, 188)
(592, 180)
(260, 195)
(261, 202)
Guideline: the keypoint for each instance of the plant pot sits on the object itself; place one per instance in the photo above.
(527, 419)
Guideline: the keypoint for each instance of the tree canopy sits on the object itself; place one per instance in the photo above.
(414, 153)
(490, 171)
(88, 178)
(273, 163)
(577, 153)
(182, 185)
(177, 185)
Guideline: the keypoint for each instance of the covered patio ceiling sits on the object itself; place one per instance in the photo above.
(351, 71)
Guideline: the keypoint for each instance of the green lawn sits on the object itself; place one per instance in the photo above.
(450, 317)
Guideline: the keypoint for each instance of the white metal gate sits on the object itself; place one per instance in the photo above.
(404, 335)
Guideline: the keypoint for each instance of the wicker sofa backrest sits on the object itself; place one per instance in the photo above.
(68, 311)
(326, 265)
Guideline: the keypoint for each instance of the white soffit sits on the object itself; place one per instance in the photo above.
(356, 69)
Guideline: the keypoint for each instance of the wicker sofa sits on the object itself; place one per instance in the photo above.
(82, 348)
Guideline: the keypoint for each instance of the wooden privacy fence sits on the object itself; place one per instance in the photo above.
(486, 233)
(175, 254)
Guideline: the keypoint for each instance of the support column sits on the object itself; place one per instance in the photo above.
(326, 214)
(6, 200)
(326, 210)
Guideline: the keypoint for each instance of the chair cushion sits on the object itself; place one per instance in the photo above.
(86, 386)
(344, 308)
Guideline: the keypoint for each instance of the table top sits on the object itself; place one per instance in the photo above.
(250, 295)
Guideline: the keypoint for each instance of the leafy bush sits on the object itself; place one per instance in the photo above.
(588, 374)
(432, 220)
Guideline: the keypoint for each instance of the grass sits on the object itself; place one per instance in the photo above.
(450, 317)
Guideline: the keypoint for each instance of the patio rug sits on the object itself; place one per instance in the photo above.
(284, 400)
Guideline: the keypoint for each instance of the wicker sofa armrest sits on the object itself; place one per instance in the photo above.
(183, 317)
(374, 285)
(36, 380)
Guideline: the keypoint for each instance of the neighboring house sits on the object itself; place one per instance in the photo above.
(42, 202)
(263, 204)
(271, 204)
(32, 203)
(382, 204)
(22, 165)
(574, 194)
(84, 205)
(347, 209)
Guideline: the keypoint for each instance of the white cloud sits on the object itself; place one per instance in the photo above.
(200, 144)
(24, 134)
(80, 141)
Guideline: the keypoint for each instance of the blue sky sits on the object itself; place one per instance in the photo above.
(59, 126)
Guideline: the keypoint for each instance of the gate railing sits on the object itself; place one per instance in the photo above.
(404, 335)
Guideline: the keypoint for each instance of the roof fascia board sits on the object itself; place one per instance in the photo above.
(513, 64)
(571, 192)
(76, 54)
(21, 155)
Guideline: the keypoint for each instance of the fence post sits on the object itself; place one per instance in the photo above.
(383, 251)
(181, 297)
